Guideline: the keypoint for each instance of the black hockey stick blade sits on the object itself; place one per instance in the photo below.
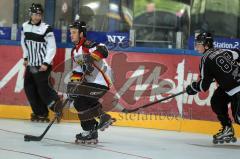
(32, 138)
(39, 138)
(152, 103)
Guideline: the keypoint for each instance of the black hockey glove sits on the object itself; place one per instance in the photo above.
(57, 108)
(192, 89)
(88, 59)
(88, 68)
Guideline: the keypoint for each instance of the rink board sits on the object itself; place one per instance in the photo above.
(140, 78)
(129, 120)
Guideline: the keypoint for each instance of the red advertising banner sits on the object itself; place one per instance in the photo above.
(140, 78)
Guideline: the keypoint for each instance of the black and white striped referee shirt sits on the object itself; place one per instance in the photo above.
(38, 43)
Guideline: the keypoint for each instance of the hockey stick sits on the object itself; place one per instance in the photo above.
(152, 103)
(39, 138)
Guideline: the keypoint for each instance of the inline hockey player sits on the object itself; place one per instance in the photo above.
(220, 65)
(91, 70)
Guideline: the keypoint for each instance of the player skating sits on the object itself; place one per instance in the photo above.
(219, 65)
(91, 71)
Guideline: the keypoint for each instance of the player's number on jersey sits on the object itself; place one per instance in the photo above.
(223, 63)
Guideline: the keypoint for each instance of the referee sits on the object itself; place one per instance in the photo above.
(39, 48)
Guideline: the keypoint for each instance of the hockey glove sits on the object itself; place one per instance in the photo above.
(76, 76)
(192, 89)
(88, 69)
(88, 64)
(88, 59)
(57, 108)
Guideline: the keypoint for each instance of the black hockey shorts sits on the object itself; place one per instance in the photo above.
(219, 104)
(87, 105)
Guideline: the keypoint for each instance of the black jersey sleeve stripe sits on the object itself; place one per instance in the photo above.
(28, 51)
(49, 29)
(31, 52)
(38, 59)
(34, 37)
(41, 52)
(37, 40)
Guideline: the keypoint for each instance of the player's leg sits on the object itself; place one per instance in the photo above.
(219, 104)
(235, 106)
(47, 94)
(105, 120)
(30, 89)
(88, 110)
(43, 116)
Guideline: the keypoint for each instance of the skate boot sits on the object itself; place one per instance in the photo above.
(105, 121)
(87, 137)
(39, 118)
(34, 117)
(226, 134)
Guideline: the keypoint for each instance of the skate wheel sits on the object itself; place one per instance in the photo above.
(76, 141)
(83, 142)
(46, 120)
(33, 120)
(215, 142)
(89, 142)
(234, 140)
(95, 142)
(104, 127)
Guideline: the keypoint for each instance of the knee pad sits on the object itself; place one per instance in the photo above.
(91, 113)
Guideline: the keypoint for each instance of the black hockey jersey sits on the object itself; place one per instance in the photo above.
(220, 65)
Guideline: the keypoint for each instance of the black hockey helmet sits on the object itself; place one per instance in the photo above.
(80, 25)
(36, 8)
(205, 39)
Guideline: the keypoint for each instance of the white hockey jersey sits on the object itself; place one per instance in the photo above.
(102, 72)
